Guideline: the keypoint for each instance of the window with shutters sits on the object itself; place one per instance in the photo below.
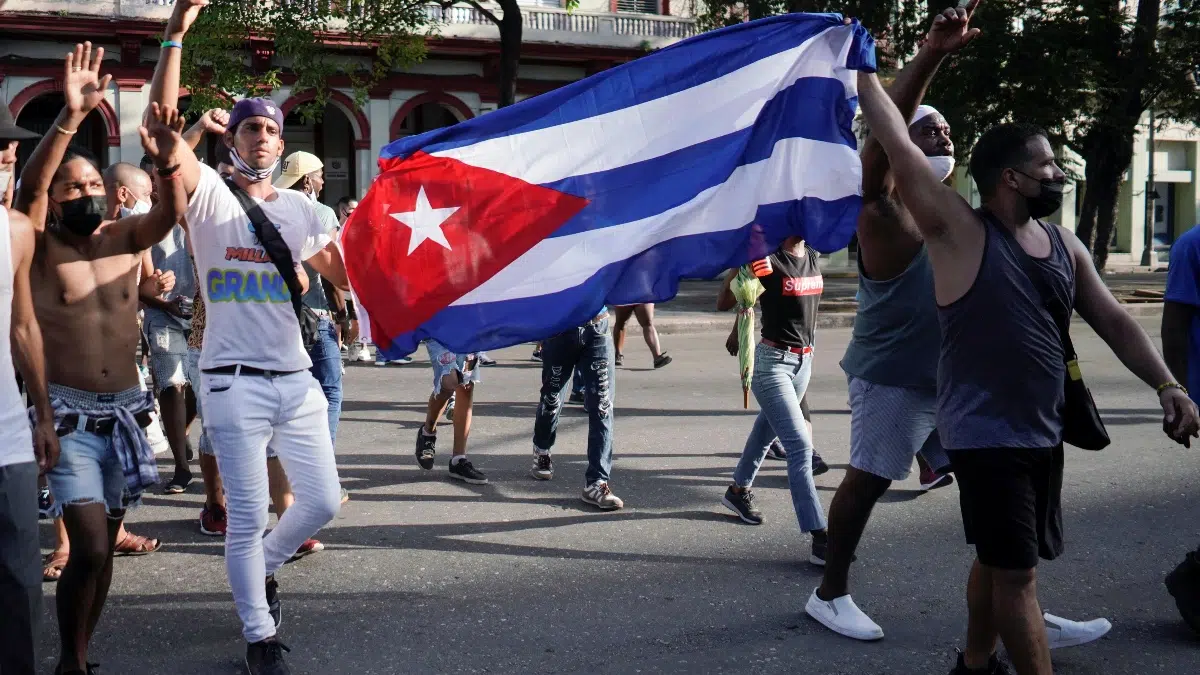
(638, 6)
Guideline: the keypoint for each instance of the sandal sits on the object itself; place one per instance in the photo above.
(53, 564)
(133, 545)
(178, 485)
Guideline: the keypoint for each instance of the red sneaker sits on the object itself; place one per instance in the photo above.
(932, 480)
(308, 548)
(213, 521)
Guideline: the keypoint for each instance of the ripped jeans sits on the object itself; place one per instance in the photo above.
(590, 348)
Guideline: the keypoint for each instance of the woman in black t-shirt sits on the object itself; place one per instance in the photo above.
(792, 282)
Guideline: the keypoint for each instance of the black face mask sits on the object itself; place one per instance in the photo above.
(1048, 200)
(82, 216)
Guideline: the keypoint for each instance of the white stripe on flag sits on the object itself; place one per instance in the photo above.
(797, 167)
(713, 109)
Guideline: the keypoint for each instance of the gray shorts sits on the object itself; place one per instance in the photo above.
(889, 426)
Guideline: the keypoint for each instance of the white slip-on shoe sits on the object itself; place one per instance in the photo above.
(843, 617)
(1062, 632)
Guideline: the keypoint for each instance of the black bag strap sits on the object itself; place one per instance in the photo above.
(1058, 311)
(273, 243)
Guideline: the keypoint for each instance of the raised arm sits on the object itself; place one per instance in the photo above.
(936, 208)
(163, 142)
(26, 338)
(164, 86)
(211, 122)
(83, 90)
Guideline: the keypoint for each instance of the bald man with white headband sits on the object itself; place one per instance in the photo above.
(892, 360)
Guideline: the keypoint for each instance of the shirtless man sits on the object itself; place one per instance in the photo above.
(84, 280)
(1007, 282)
(23, 456)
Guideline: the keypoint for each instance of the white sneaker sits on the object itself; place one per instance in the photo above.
(598, 494)
(354, 352)
(1062, 632)
(843, 617)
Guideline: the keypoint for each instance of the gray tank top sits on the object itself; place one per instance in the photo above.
(896, 334)
(1000, 377)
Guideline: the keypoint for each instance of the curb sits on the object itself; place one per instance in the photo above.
(682, 323)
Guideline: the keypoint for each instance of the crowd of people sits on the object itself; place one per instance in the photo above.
(171, 259)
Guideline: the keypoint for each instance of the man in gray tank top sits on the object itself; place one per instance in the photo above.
(1001, 419)
(891, 362)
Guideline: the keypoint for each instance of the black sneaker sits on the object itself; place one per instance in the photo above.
(450, 410)
(467, 472)
(426, 448)
(742, 503)
(818, 465)
(1183, 583)
(273, 606)
(543, 466)
(994, 667)
(576, 397)
(776, 451)
(266, 658)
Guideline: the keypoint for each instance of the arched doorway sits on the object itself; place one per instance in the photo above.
(428, 111)
(332, 138)
(427, 117)
(38, 115)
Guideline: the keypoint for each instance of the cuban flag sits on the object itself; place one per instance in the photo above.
(524, 222)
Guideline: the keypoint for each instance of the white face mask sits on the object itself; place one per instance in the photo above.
(139, 207)
(5, 178)
(312, 197)
(942, 166)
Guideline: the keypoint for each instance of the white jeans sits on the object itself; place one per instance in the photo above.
(244, 415)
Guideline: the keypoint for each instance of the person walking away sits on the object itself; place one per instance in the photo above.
(588, 348)
(645, 318)
(1006, 282)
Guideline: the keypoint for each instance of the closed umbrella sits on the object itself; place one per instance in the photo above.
(746, 288)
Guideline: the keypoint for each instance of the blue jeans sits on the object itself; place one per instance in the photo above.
(577, 382)
(589, 348)
(780, 380)
(327, 369)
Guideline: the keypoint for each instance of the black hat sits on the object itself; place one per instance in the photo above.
(9, 131)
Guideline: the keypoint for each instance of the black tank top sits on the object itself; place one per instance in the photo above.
(789, 304)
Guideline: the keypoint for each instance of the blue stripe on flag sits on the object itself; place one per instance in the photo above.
(650, 276)
(660, 74)
(620, 196)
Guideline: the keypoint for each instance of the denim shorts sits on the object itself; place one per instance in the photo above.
(445, 362)
(88, 472)
(192, 369)
(168, 352)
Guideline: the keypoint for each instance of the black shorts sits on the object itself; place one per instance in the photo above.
(1011, 500)
(351, 313)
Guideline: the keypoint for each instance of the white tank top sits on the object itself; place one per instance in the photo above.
(17, 446)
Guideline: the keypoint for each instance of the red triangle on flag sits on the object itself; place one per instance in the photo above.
(431, 229)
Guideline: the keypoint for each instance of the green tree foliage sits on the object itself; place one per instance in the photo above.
(312, 40)
(1085, 70)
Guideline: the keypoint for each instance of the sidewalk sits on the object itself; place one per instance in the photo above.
(693, 310)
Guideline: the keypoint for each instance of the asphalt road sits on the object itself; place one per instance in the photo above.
(422, 575)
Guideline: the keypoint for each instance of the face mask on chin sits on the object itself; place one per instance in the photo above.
(1048, 199)
(255, 175)
(942, 165)
(81, 217)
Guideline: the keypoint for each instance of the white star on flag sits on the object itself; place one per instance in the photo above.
(425, 222)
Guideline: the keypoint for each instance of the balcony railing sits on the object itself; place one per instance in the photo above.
(535, 19)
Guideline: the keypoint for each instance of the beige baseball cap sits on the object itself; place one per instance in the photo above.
(296, 166)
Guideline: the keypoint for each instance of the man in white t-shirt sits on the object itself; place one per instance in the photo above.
(255, 386)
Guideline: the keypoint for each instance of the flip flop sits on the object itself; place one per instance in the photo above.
(53, 564)
(134, 545)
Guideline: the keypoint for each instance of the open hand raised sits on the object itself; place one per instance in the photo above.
(163, 134)
(83, 88)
